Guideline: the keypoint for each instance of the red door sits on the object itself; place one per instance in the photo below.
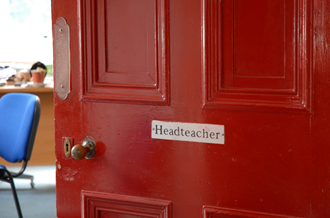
(151, 81)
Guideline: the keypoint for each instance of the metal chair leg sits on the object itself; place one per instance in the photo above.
(13, 189)
(25, 176)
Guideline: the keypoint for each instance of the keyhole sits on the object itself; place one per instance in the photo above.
(67, 147)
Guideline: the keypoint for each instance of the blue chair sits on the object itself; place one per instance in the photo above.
(19, 119)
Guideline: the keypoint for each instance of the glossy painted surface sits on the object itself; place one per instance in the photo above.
(274, 162)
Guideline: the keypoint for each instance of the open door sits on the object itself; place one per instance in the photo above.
(198, 108)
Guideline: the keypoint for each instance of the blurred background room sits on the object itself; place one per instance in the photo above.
(25, 39)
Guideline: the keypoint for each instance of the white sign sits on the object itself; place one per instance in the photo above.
(191, 132)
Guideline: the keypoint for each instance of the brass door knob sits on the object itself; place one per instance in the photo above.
(85, 150)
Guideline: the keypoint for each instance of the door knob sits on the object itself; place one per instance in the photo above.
(85, 150)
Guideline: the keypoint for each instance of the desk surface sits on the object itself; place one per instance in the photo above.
(12, 88)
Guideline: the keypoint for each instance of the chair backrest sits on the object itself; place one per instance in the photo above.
(19, 119)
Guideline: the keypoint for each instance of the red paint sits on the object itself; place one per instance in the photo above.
(274, 107)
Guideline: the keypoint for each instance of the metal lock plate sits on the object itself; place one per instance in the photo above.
(62, 58)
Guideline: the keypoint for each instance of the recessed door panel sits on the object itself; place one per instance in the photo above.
(261, 44)
(258, 54)
(130, 39)
(103, 205)
(126, 48)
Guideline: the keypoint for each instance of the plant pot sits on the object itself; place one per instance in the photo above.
(38, 77)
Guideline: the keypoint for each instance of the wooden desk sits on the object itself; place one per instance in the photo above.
(44, 146)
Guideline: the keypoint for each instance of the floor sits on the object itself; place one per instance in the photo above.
(37, 202)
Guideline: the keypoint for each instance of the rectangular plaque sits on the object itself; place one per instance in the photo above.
(191, 132)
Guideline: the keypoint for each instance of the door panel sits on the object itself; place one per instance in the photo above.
(97, 204)
(258, 67)
(256, 53)
(125, 50)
